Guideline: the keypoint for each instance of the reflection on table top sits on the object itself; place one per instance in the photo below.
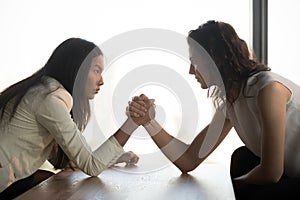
(208, 181)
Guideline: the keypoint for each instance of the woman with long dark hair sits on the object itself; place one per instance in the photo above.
(262, 106)
(42, 117)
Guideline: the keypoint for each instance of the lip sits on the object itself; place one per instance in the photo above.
(97, 90)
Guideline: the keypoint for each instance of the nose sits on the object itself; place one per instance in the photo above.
(192, 69)
(101, 81)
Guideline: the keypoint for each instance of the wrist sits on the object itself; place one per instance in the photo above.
(152, 127)
(129, 126)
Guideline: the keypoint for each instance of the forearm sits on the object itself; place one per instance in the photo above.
(169, 145)
(184, 156)
(187, 157)
(259, 175)
(124, 132)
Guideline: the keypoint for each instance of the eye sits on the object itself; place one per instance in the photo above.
(192, 60)
(97, 71)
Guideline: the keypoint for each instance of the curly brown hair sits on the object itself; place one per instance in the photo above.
(230, 54)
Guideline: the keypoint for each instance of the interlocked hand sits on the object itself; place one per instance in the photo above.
(141, 109)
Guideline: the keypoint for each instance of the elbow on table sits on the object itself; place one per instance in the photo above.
(274, 174)
(272, 178)
(187, 168)
(271, 175)
(95, 172)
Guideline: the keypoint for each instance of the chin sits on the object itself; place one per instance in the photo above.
(91, 97)
(204, 86)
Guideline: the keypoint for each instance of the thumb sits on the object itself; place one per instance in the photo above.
(151, 101)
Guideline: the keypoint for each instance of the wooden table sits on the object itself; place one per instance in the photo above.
(209, 181)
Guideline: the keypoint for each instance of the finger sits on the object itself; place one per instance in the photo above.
(134, 114)
(142, 105)
(136, 110)
(136, 98)
(134, 158)
(133, 161)
(144, 97)
(131, 113)
(127, 111)
(139, 101)
(137, 106)
(133, 108)
(140, 98)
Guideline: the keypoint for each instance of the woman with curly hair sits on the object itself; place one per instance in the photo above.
(262, 106)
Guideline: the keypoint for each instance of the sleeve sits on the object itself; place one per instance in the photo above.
(52, 115)
(256, 82)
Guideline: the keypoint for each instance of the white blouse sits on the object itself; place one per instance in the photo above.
(41, 119)
(244, 116)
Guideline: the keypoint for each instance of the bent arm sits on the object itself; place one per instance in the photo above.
(188, 157)
(54, 117)
(272, 100)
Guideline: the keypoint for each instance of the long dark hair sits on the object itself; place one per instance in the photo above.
(230, 54)
(69, 65)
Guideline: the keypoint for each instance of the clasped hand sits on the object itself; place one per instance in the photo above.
(141, 109)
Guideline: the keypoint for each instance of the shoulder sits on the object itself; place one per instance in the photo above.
(274, 90)
(58, 93)
(63, 96)
(260, 80)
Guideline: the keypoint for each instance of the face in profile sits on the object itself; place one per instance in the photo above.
(94, 79)
(195, 62)
(198, 77)
(204, 68)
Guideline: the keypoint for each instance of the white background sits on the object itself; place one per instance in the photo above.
(31, 29)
